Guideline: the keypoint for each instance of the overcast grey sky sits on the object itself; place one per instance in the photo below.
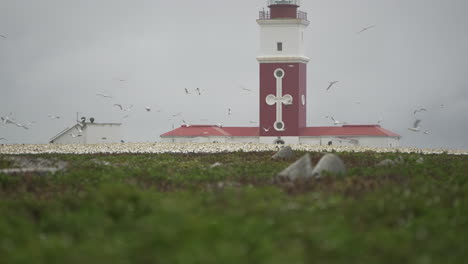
(58, 54)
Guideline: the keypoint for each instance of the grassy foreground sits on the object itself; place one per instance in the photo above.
(170, 208)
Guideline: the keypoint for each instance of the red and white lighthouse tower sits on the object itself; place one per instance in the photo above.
(283, 93)
(283, 68)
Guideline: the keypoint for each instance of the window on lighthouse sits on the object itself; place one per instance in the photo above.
(279, 46)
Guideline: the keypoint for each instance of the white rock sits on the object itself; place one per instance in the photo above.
(284, 153)
(330, 163)
(301, 169)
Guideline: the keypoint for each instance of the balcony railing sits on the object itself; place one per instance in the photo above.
(284, 2)
(264, 15)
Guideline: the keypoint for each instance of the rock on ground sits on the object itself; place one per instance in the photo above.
(284, 153)
(330, 163)
(301, 169)
(386, 162)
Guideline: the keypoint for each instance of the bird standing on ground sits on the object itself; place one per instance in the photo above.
(416, 126)
(365, 29)
(331, 84)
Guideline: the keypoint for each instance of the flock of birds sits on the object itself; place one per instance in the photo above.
(9, 120)
(416, 125)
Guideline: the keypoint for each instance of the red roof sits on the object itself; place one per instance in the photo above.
(211, 130)
(346, 130)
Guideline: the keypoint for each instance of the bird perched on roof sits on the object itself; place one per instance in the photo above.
(416, 126)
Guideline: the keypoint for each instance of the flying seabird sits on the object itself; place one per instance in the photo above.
(148, 109)
(54, 117)
(186, 91)
(266, 129)
(336, 122)
(419, 110)
(21, 125)
(229, 111)
(416, 126)
(331, 84)
(104, 95)
(198, 91)
(245, 89)
(178, 114)
(364, 29)
(74, 136)
(3, 36)
(2, 138)
(426, 132)
(122, 108)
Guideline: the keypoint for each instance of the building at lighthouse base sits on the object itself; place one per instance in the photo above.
(346, 135)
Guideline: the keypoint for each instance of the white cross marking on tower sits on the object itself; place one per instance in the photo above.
(279, 100)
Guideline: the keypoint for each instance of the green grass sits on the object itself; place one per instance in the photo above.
(170, 208)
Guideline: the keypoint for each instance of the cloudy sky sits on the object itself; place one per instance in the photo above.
(57, 54)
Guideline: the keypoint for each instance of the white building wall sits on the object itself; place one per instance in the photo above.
(102, 133)
(290, 32)
(243, 139)
(368, 141)
(287, 140)
(66, 138)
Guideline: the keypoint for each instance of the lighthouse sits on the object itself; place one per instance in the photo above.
(283, 94)
(283, 70)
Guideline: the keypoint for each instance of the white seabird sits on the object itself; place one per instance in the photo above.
(416, 126)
